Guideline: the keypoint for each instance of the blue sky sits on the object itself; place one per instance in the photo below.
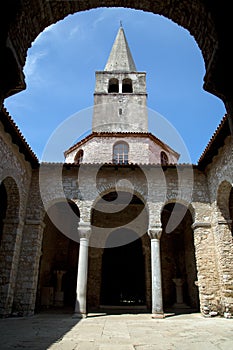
(60, 77)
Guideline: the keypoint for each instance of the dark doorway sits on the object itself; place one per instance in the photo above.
(59, 261)
(178, 261)
(123, 272)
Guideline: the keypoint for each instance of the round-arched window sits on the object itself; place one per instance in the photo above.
(163, 158)
(127, 86)
(120, 153)
(79, 157)
(113, 85)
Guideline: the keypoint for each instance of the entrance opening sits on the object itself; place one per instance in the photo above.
(123, 272)
(178, 262)
(118, 271)
(59, 262)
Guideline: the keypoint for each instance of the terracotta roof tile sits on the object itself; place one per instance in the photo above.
(216, 141)
(17, 138)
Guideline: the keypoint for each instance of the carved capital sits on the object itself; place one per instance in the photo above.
(155, 232)
(84, 230)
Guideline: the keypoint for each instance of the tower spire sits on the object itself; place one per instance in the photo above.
(120, 58)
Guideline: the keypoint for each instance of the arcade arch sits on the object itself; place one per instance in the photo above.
(59, 259)
(10, 238)
(121, 265)
(178, 262)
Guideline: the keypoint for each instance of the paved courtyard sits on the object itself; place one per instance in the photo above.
(116, 332)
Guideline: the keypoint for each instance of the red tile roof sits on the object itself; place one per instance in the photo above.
(121, 134)
(216, 141)
(17, 138)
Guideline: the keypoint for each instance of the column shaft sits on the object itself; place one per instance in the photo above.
(81, 290)
(156, 279)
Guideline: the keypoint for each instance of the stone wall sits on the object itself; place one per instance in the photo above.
(142, 150)
(220, 181)
(15, 176)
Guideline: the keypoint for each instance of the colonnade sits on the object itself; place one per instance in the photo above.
(84, 232)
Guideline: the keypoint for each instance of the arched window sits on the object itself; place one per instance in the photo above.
(79, 157)
(163, 158)
(113, 85)
(120, 153)
(127, 85)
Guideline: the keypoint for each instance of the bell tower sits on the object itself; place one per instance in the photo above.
(120, 98)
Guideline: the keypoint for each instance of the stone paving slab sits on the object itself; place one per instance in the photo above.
(116, 332)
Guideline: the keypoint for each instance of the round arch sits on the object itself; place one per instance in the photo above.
(10, 239)
(201, 21)
(59, 259)
(178, 204)
(116, 233)
(115, 209)
(178, 261)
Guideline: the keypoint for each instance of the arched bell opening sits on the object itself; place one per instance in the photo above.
(59, 258)
(178, 262)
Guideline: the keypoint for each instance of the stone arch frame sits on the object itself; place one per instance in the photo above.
(10, 245)
(145, 241)
(65, 237)
(189, 206)
(112, 188)
(68, 210)
(108, 190)
(201, 21)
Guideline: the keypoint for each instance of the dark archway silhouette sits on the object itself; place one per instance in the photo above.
(123, 272)
(59, 262)
(178, 261)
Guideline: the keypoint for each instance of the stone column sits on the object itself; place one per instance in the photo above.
(157, 299)
(84, 231)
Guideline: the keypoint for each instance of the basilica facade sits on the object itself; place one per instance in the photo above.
(121, 224)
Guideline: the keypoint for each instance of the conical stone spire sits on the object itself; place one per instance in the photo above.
(120, 58)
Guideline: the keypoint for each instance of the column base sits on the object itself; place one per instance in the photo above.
(79, 315)
(158, 315)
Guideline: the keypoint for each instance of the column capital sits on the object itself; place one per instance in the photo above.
(84, 230)
(155, 232)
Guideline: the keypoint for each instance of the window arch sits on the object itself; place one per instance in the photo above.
(79, 157)
(163, 158)
(127, 85)
(113, 85)
(120, 153)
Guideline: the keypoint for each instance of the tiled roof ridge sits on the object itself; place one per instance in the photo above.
(117, 164)
(213, 139)
(119, 133)
(12, 128)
